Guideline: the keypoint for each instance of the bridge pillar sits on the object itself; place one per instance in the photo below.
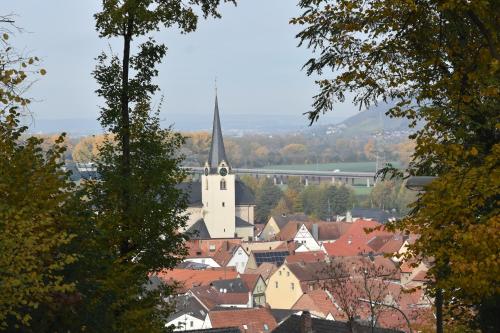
(281, 180)
(367, 182)
(333, 180)
(352, 181)
(307, 181)
(275, 180)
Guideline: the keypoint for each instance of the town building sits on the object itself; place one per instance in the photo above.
(220, 206)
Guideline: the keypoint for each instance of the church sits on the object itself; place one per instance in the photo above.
(220, 206)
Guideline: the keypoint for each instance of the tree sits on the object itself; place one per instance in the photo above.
(266, 198)
(438, 60)
(138, 209)
(360, 287)
(36, 204)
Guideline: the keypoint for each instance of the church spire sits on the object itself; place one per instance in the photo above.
(217, 151)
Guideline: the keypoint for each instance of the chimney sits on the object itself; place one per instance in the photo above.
(315, 232)
(348, 216)
(305, 322)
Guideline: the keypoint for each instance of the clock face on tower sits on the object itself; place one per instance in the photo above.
(206, 171)
(223, 172)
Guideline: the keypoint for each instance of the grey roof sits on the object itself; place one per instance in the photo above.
(240, 223)
(293, 325)
(231, 285)
(244, 195)
(282, 220)
(187, 304)
(280, 314)
(199, 230)
(376, 214)
(217, 151)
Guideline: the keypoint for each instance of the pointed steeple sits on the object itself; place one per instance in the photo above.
(217, 151)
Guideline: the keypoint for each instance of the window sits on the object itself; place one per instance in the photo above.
(280, 273)
(276, 284)
(223, 184)
(212, 247)
(287, 273)
(266, 328)
(191, 323)
(292, 285)
(223, 204)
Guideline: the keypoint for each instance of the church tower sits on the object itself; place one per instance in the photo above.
(218, 187)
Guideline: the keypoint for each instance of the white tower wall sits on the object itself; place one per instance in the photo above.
(219, 205)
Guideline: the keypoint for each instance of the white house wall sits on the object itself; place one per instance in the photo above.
(186, 322)
(303, 236)
(206, 261)
(239, 260)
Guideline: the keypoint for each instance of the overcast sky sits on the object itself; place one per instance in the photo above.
(252, 51)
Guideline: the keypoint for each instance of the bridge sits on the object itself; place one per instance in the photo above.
(306, 176)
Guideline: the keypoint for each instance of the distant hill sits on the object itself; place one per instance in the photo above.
(367, 123)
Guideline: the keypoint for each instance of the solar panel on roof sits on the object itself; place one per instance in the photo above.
(272, 257)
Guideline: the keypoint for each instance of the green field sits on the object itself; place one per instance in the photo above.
(342, 166)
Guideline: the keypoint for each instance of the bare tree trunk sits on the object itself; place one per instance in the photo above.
(125, 130)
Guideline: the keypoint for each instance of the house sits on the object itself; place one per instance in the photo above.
(312, 256)
(189, 278)
(261, 245)
(373, 214)
(216, 330)
(291, 281)
(256, 320)
(277, 222)
(276, 257)
(204, 251)
(355, 240)
(219, 205)
(211, 297)
(257, 286)
(265, 270)
(319, 303)
(306, 324)
(312, 235)
(189, 314)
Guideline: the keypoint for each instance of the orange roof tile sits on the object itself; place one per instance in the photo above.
(250, 280)
(311, 256)
(189, 278)
(265, 270)
(355, 240)
(318, 302)
(255, 320)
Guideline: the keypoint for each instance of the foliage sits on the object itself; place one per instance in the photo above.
(326, 201)
(36, 205)
(137, 210)
(439, 61)
(267, 197)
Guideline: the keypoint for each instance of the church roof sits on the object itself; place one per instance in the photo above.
(240, 223)
(217, 151)
(199, 230)
(244, 195)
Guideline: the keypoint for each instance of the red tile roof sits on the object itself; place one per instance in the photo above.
(355, 240)
(311, 256)
(189, 278)
(326, 230)
(320, 303)
(266, 269)
(255, 320)
(210, 297)
(250, 280)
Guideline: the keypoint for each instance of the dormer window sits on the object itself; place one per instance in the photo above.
(223, 184)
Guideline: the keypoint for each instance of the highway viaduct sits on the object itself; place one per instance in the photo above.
(306, 176)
